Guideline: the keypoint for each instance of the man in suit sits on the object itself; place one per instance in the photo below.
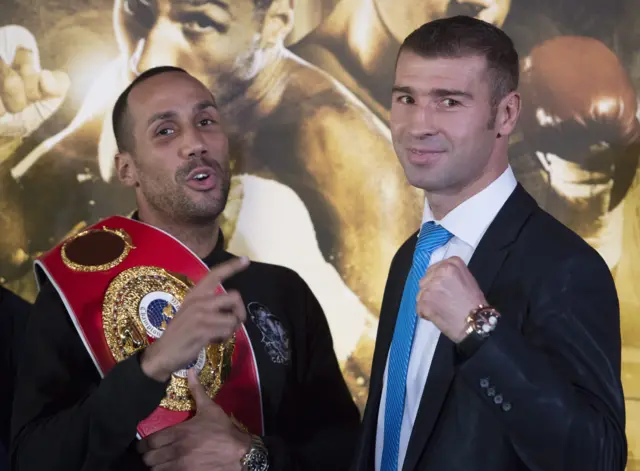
(499, 339)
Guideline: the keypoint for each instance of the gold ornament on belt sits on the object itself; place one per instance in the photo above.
(140, 303)
(96, 249)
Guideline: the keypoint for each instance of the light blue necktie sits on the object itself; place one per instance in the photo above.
(431, 238)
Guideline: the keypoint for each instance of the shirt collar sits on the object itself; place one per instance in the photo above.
(469, 220)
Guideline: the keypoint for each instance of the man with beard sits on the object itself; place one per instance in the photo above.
(358, 42)
(298, 138)
(78, 409)
(288, 121)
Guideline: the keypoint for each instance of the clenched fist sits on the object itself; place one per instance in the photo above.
(28, 94)
(448, 293)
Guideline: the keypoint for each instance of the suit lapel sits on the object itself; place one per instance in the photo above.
(484, 265)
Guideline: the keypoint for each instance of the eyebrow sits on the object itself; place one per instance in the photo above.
(172, 114)
(199, 3)
(436, 92)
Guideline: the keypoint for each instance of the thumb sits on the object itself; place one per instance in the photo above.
(198, 392)
(54, 83)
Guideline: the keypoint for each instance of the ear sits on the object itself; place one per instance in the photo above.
(508, 113)
(278, 23)
(126, 169)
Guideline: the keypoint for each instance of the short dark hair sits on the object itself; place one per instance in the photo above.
(120, 118)
(465, 36)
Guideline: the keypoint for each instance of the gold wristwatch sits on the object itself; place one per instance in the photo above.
(256, 459)
(481, 321)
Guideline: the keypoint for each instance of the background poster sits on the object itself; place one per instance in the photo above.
(316, 183)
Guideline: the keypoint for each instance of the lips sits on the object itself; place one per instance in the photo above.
(424, 156)
(202, 179)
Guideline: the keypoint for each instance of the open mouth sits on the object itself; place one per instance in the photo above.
(202, 179)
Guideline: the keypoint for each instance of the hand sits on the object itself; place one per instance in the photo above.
(448, 293)
(28, 95)
(209, 441)
(203, 318)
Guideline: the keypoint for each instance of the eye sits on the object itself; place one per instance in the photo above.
(164, 132)
(465, 8)
(206, 122)
(199, 23)
(406, 99)
(450, 102)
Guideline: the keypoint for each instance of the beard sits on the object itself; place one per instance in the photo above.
(175, 201)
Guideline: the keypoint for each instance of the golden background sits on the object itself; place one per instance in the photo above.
(54, 179)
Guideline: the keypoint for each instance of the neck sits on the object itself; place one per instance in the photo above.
(445, 201)
(200, 238)
(255, 92)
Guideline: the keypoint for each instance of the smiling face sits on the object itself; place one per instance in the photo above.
(401, 17)
(217, 41)
(179, 163)
(444, 129)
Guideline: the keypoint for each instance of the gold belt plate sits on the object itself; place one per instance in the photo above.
(139, 303)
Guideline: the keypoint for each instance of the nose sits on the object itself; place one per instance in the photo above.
(193, 145)
(155, 50)
(420, 122)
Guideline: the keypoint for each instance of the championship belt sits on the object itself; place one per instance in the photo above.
(122, 281)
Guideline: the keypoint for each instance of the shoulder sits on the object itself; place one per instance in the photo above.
(321, 96)
(552, 251)
(546, 237)
(276, 278)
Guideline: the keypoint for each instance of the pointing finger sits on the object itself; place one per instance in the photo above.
(225, 270)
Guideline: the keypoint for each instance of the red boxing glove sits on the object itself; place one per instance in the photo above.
(578, 103)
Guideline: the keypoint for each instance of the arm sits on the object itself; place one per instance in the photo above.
(64, 417)
(319, 428)
(561, 374)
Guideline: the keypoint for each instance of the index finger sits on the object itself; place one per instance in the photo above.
(159, 439)
(225, 270)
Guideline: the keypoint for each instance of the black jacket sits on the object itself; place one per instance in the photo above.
(13, 321)
(66, 419)
(543, 393)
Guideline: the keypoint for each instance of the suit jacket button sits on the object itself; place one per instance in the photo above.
(491, 392)
(484, 383)
(498, 399)
(506, 407)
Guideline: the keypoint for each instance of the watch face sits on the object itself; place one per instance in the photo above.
(485, 320)
(257, 461)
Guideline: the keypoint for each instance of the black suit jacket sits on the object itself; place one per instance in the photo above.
(13, 321)
(543, 393)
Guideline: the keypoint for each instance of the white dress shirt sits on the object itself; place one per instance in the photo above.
(468, 223)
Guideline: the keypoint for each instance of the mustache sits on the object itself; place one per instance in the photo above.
(183, 172)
